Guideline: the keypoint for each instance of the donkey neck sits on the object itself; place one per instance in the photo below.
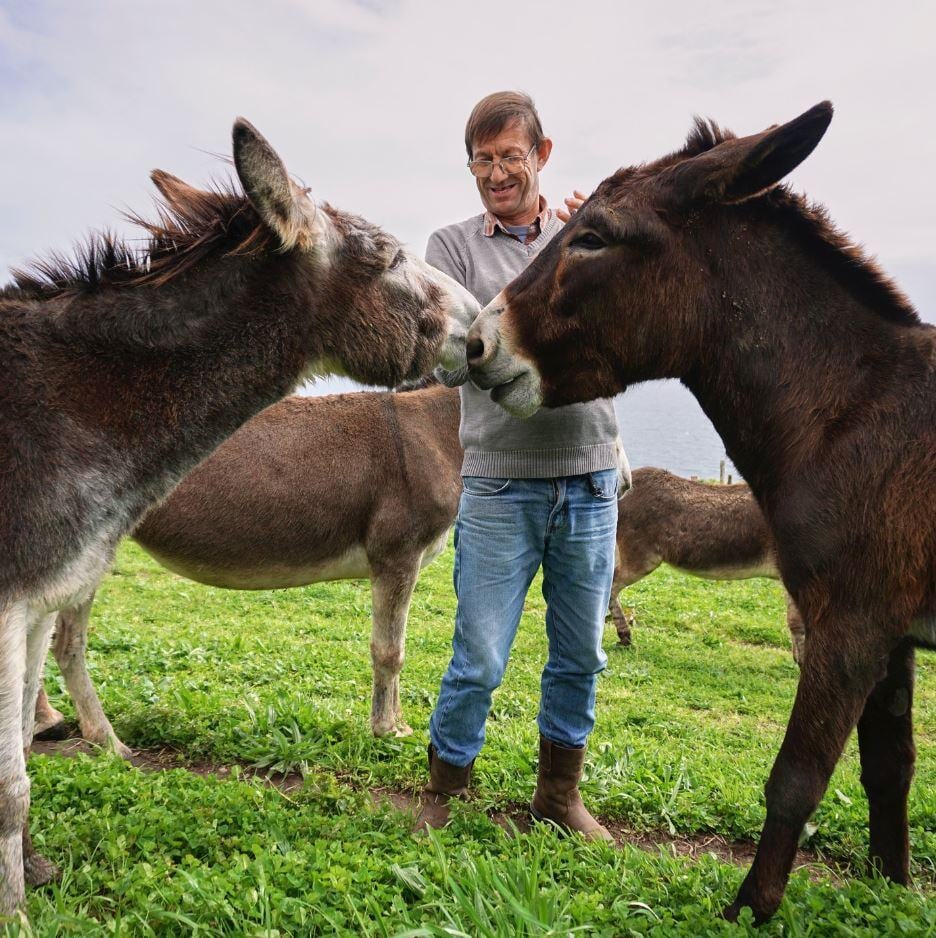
(207, 351)
(182, 314)
(789, 356)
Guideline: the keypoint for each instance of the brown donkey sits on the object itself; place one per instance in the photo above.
(717, 532)
(821, 380)
(311, 489)
(120, 371)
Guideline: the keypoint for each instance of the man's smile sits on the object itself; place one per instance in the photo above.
(503, 189)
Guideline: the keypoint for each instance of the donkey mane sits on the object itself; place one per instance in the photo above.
(810, 224)
(705, 135)
(190, 224)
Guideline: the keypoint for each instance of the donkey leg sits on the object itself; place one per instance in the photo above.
(37, 870)
(14, 784)
(796, 628)
(50, 724)
(391, 592)
(622, 622)
(37, 647)
(835, 680)
(885, 740)
(69, 648)
(632, 562)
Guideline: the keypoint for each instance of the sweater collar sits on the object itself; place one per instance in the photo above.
(492, 223)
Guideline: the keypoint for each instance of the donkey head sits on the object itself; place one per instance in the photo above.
(621, 294)
(381, 315)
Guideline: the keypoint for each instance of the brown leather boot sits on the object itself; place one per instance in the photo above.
(557, 797)
(446, 781)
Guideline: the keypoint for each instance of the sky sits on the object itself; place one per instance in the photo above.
(366, 102)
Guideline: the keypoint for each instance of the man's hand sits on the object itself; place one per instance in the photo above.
(573, 204)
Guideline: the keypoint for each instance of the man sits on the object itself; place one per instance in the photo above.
(537, 492)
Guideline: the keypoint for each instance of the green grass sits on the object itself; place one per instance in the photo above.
(689, 721)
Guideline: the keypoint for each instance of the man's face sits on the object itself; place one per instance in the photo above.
(512, 198)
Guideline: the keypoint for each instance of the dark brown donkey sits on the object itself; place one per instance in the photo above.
(717, 532)
(311, 489)
(821, 380)
(120, 371)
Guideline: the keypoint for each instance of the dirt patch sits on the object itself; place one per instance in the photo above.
(739, 852)
(514, 817)
(159, 760)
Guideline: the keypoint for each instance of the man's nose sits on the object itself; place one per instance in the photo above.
(497, 174)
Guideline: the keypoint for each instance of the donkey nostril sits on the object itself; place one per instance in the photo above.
(474, 349)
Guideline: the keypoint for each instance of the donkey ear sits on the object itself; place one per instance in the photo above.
(744, 167)
(267, 183)
(173, 189)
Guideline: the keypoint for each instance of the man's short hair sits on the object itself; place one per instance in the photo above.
(495, 112)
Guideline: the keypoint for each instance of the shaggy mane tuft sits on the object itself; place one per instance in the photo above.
(808, 222)
(705, 135)
(190, 224)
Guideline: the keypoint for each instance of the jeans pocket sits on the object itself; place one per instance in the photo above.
(604, 485)
(484, 487)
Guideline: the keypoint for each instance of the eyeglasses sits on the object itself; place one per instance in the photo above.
(511, 165)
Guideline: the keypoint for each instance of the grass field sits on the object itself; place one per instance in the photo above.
(689, 721)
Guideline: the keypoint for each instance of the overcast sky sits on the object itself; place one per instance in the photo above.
(366, 101)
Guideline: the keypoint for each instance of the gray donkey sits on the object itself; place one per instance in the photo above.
(713, 531)
(120, 371)
(311, 489)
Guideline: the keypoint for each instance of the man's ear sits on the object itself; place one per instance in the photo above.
(744, 167)
(542, 153)
(267, 183)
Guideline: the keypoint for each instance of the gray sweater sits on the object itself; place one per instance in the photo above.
(563, 441)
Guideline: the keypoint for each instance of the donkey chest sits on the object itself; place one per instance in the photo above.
(75, 533)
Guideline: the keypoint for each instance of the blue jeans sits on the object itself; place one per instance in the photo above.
(506, 529)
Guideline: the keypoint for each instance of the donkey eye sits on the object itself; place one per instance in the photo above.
(398, 260)
(589, 241)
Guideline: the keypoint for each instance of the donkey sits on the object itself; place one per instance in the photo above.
(821, 380)
(713, 531)
(311, 489)
(362, 485)
(120, 371)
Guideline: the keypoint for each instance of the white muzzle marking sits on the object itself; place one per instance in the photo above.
(512, 379)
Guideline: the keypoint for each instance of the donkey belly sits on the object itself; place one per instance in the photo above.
(923, 629)
(434, 549)
(268, 574)
(732, 571)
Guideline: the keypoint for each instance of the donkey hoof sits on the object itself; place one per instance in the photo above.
(733, 911)
(107, 742)
(38, 871)
(118, 748)
(52, 731)
(402, 728)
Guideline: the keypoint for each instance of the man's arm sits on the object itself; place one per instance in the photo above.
(441, 256)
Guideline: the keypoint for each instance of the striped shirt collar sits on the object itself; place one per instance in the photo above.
(492, 222)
